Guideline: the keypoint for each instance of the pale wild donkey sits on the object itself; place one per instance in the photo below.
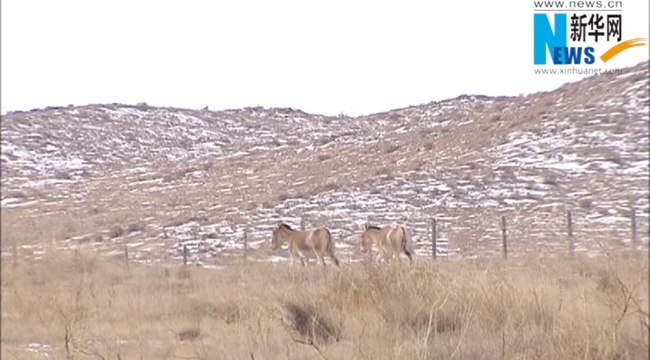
(304, 243)
(391, 240)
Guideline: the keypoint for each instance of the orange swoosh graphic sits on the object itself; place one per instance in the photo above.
(616, 49)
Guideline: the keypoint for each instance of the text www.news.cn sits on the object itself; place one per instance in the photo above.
(578, 71)
(577, 5)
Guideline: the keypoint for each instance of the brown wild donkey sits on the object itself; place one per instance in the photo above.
(391, 240)
(303, 243)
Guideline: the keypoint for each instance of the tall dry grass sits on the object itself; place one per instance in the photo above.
(80, 306)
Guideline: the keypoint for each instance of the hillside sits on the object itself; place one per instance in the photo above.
(114, 175)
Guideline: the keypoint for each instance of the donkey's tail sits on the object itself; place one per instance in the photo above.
(330, 247)
(407, 243)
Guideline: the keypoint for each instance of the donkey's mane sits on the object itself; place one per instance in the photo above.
(283, 225)
(374, 227)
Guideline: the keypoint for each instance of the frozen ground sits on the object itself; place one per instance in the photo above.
(173, 177)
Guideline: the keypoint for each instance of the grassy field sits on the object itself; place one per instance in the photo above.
(84, 306)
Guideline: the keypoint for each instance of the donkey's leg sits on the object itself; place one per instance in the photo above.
(398, 253)
(390, 256)
(322, 258)
(302, 257)
(296, 254)
(409, 255)
(380, 256)
(384, 256)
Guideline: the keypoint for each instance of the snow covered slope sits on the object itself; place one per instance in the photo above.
(153, 179)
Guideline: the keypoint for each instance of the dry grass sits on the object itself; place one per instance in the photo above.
(84, 306)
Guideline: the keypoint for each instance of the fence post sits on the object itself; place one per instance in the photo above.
(184, 255)
(569, 222)
(434, 238)
(302, 223)
(245, 244)
(126, 254)
(15, 255)
(503, 236)
(633, 216)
